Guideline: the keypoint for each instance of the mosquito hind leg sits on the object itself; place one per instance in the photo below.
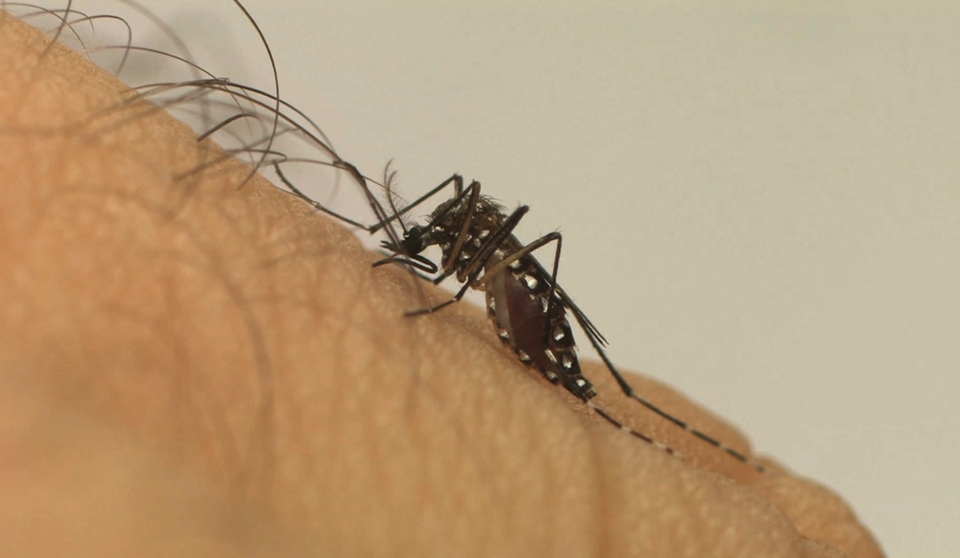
(442, 305)
(595, 340)
(632, 394)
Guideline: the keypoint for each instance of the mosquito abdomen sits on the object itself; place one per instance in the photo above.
(517, 305)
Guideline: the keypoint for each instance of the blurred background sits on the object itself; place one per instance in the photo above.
(759, 200)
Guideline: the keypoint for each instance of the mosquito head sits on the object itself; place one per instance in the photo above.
(407, 251)
(414, 241)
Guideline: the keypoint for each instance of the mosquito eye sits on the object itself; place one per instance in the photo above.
(413, 240)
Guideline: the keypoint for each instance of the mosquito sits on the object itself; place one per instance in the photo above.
(526, 305)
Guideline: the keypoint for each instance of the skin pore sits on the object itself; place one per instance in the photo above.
(194, 368)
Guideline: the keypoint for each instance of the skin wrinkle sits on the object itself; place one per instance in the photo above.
(387, 435)
(210, 269)
(60, 199)
(192, 374)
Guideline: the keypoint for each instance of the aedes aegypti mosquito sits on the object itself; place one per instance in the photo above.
(524, 301)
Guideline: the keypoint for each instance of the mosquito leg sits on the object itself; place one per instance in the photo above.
(419, 262)
(483, 254)
(415, 264)
(490, 246)
(631, 393)
(432, 309)
(395, 239)
(422, 276)
(572, 379)
(609, 418)
(593, 335)
(474, 192)
(315, 204)
(525, 251)
(457, 182)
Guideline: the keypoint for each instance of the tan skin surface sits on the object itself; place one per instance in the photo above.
(190, 368)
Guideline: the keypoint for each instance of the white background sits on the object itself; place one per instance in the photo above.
(759, 200)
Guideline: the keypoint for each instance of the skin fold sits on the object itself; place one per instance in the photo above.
(200, 365)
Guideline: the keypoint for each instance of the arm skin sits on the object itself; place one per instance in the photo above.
(192, 369)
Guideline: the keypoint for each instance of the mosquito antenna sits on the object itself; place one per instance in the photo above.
(389, 175)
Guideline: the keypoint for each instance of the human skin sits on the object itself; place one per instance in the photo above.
(192, 367)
